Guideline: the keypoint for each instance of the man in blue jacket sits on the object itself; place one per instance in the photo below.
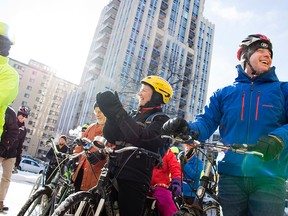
(252, 110)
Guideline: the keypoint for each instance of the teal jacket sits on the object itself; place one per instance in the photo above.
(245, 111)
(9, 84)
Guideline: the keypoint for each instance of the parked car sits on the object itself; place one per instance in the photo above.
(31, 165)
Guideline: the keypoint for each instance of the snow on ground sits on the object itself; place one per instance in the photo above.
(19, 190)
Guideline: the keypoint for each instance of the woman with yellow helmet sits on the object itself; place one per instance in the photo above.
(122, 129)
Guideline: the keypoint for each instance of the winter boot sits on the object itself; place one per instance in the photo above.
(14, 171)
(2, 207)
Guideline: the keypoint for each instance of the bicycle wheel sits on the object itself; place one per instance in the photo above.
(37, 204)
(36, 186)
(80, 203)
(212, 209)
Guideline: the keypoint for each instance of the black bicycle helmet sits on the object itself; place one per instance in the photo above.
(24, 111)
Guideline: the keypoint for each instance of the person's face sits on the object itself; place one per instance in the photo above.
(260, 60)
(99, 116)
(144, 95)
(62, 141)
(21, 118)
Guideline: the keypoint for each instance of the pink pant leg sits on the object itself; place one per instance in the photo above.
(165, 201)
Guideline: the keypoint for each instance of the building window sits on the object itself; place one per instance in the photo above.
(32, 80)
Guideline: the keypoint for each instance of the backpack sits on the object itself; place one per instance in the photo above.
(162, 151)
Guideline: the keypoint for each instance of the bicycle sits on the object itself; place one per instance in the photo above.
(98, 200)
(206, 201)
(43, 201)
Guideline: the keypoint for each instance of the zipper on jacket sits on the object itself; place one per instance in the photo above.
(242, 105)
(257, 106)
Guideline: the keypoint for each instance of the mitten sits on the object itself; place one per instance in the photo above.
(94, 157)
(176, 127)
(270, 146)
(175, 186)
(110, 105)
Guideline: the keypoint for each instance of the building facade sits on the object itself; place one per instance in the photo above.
(133, 39)
(43, 92)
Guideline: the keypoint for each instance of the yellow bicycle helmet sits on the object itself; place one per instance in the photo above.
(161, 86)
(6, 32)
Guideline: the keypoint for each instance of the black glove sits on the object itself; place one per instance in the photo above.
(94, 157)
(79, 141)
(110, 105)
(176, 127)
(270, 146)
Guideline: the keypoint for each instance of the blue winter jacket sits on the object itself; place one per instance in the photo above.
(245, 111)
(192, 172)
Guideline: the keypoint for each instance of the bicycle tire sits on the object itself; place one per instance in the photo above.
(70, 205)
(37, 204)
(212, 209)
(36, 185)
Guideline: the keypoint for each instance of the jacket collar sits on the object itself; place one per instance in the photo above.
(269, 76)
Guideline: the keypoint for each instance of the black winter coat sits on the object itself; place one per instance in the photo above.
(21, 137)
(51, 155)
(128, 130)
(10, 134)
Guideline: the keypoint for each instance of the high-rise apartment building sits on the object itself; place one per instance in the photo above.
(133, 39)
(43, 92)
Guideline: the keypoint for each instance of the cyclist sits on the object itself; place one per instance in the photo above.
(51, 155)
(9, 78)
(253, 110)
(122, 130)
(87, 172)
(161, 183)
(22, 115)
(8, 150)
(192, 169)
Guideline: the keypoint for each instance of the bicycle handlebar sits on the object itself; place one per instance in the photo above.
(101, 144)
(237, 148)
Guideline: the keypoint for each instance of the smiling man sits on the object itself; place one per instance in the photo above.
(252, 110)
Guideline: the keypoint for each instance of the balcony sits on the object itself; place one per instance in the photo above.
(189, 61)
(164, 5)
(184, 91)
(186, 80)
(190, 43)
(155, 52)
(98, 58)
(183, 102)
(191, 33)
(158, 42)
(160, 23)
(162, 14)
(109, 19)
(188, 71)
(101, 48)
(193, 25)
(153, 64)
(194, 17)
(106, 28)
(104, 38)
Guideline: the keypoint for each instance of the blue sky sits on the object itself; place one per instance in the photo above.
(59, 32)
(234, 20)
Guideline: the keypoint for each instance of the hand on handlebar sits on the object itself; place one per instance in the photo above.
(270, 146)
(176, 127)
